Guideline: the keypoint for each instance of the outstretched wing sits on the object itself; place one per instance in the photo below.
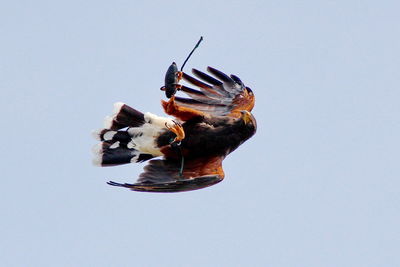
(164, 176)
(219, 96)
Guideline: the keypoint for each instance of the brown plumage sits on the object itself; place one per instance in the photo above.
(208, 125)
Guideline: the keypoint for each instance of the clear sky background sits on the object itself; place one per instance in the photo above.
(318, 185)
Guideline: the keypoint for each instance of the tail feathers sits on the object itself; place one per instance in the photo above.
(109, 135)
(129, 136)
(116, 153)
(116, 149)
(124, 116)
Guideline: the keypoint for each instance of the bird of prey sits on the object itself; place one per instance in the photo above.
(206, 126)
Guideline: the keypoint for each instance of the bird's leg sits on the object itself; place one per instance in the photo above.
(177, 146)
(177, 129)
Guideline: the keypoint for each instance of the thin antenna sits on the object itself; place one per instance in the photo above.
(197, 45)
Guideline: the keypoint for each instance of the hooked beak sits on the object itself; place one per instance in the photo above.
(246, 116)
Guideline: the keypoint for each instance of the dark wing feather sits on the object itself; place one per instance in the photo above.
(163, 175)
(219, 96)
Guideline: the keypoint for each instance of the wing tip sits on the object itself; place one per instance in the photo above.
(180, 185)
(112, 183)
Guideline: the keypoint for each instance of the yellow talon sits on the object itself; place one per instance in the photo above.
(177, 129)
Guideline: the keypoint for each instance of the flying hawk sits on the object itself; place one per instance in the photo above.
(206, 127)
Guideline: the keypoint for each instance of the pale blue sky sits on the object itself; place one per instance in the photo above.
(317, 186)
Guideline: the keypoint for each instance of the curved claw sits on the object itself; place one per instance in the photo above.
(179, 75)
(177, 129)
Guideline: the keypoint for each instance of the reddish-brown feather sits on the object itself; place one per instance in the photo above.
(203, 166)
(180, 112)
(244, 101)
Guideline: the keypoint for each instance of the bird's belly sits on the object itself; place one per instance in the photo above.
(204, 144)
